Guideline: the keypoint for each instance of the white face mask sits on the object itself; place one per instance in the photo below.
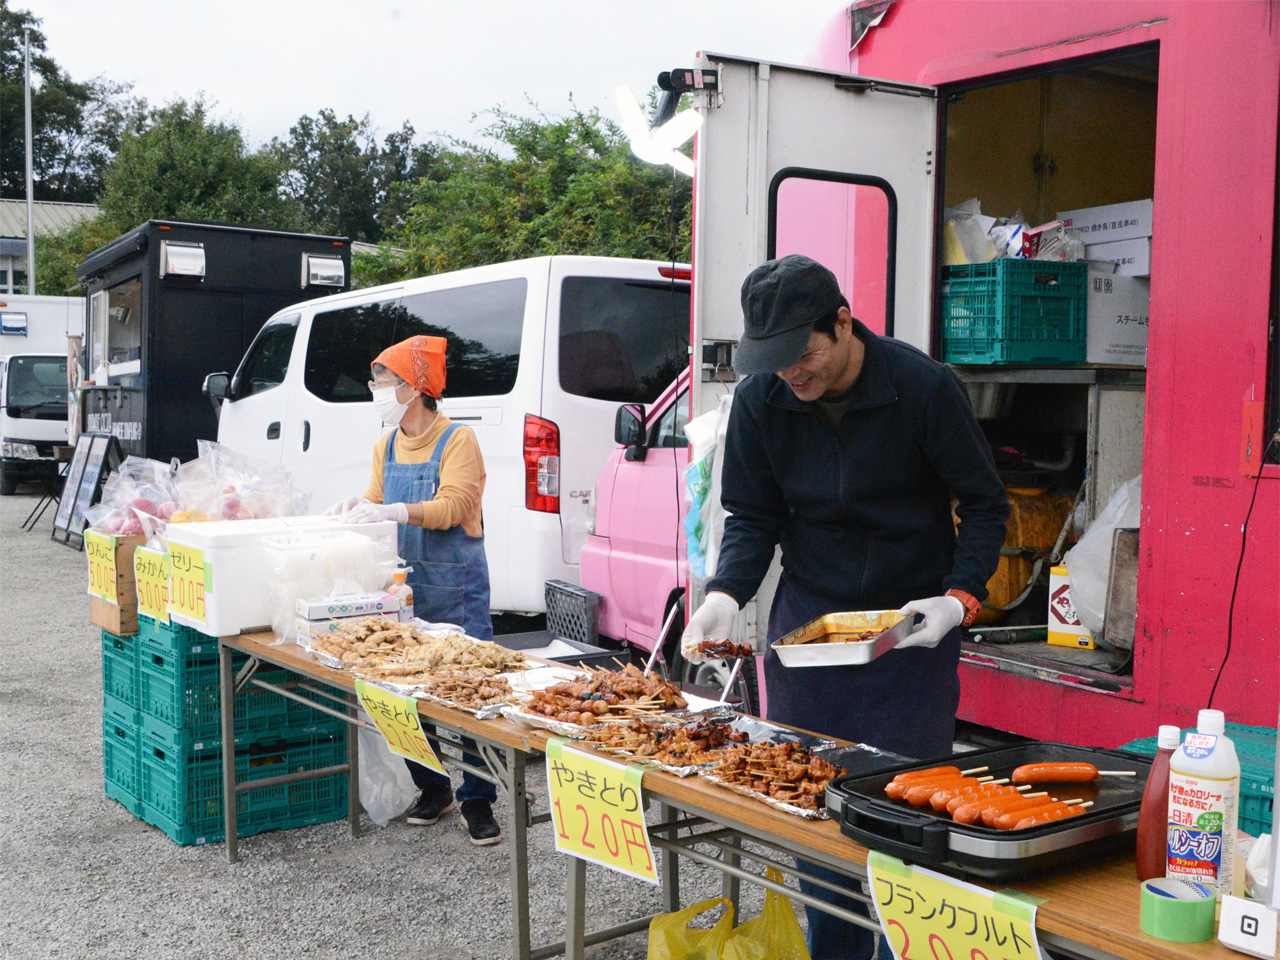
(387, 407)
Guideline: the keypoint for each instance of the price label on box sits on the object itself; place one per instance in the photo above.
(396, 718)
(599, 811)
(926, 914)
(190, 581)
(100, 548)
(151, 571)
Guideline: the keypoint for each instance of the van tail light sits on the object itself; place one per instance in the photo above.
(541, 464)
(676, 273)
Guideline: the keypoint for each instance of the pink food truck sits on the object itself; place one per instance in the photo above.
(1151, 124)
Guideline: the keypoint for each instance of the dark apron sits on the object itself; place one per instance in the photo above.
(904, 702)
(450, 576)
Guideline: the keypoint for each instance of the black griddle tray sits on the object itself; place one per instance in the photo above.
(922, 836)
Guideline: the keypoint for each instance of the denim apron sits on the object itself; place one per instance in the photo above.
(904, 701)
(450, 577)
(450, 581)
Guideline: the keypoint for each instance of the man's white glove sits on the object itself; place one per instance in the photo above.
(342, 507)
(713, 620)
(941, 616)
(367, 512)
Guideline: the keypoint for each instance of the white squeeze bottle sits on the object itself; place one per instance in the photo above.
(1204, 786)
(400, 588)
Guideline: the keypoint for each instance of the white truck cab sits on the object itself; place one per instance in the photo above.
(540, 353)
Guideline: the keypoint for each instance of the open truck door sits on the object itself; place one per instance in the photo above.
(838, 167)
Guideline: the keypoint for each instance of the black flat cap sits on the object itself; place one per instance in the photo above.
(781, 301)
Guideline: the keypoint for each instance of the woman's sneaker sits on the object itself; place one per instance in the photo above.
(484, 830)
(432, 804)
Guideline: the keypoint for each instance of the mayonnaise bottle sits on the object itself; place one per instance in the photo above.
(1204, 787)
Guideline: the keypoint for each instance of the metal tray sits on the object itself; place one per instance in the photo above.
(802, 648)
(923, 836)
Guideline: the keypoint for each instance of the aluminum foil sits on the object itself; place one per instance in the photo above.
(328, 659)
(515, 713)
(489, 712)
(762, 731)
(818, 814)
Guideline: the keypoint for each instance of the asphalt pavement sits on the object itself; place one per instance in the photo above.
(81, 877)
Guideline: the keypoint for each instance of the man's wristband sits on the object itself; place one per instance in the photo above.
(972, 605)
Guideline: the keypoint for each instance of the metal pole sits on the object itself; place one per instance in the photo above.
(31, 237)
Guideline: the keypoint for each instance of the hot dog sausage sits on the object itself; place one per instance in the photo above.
(919, 796)
(1048, 817)
(970, 812)
(926, 774)
(989, 815)
(1008, 821)
(944, 796)
(1055, 773)
(895, 791)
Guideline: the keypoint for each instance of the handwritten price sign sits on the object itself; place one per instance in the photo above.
(927, 916)
(151, 571)
(599, 811)
(396, 718)
(190, 579)
(100, 548)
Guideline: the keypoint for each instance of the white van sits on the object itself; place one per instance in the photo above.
(541, 352)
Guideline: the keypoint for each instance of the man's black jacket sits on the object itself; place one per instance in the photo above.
(863, 513)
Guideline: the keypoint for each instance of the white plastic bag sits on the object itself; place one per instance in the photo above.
(704, 519)
(386, 787)
(1257, 868)
(1089, 561)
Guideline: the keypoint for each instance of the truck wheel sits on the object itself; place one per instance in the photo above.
(8, 485)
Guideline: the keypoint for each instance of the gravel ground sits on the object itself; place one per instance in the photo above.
(80, 877)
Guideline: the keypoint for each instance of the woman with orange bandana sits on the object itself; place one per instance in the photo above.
(428, 476)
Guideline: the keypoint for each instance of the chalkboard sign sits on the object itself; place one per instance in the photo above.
(96, 455)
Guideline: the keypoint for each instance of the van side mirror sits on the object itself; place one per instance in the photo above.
(629, 429)
(216, 387)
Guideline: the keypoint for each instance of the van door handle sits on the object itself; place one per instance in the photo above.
(273, 431)
(306, 435)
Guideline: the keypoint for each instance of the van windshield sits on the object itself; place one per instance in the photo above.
(622, 340)
(37, 388)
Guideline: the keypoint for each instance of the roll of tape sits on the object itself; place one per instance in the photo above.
(1177, 910)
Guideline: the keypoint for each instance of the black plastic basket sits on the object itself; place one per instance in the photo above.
(573, 613)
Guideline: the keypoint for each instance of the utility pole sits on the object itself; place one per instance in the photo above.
(31, 236)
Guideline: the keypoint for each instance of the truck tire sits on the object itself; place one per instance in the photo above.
(8, 484)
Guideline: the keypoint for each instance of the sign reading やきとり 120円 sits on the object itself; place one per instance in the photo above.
(396, 718)
(100, 548)
(190, 579)
(598, 809)
(926, 915)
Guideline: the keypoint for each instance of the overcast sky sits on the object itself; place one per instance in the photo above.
(433, 63)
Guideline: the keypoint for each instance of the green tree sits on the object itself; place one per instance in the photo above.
(535, 186)
(187, 165)
(57, 255)
(75, 126)
(341, 178)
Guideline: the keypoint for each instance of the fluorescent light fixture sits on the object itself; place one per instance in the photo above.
(181, 259)
(13, 324)
(657, 145)
(322, 271)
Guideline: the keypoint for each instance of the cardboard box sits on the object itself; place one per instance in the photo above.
(1065, 628)
(1118, 310)
(347, 605)
(110, 559)
(1116, 221)
(120, 618)
(1131, 257)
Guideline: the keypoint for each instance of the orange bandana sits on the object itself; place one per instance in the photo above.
(418, 361)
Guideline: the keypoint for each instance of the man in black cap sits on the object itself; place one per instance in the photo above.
(846, 448)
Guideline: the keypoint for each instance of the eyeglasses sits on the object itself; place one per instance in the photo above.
(375, 385)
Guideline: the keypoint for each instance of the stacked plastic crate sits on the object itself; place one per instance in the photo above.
(163, 740)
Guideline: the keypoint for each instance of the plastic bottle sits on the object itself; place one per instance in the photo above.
(1153, 818)
(400, 588)
(1204, 784)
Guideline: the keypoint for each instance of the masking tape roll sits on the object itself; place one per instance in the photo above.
(1177, 910)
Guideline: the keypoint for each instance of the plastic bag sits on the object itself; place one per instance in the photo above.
(774, 935)
(1089, 561)
(965, 238)
(671, 937)
(704, 516)
(386, 786)
(1257, 868)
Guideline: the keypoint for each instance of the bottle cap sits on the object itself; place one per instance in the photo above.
(401, 575)
(1211, 721)
(1169, 737)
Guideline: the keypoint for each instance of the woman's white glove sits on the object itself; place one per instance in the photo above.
(342, 507)
(367, 512)
(941, 616)
(713, 620)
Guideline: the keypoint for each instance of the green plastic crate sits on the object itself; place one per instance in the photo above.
(182, 791)
(120, 667)
(1256, 749)
(1014, 311)
(176, 640)
(121, 763)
